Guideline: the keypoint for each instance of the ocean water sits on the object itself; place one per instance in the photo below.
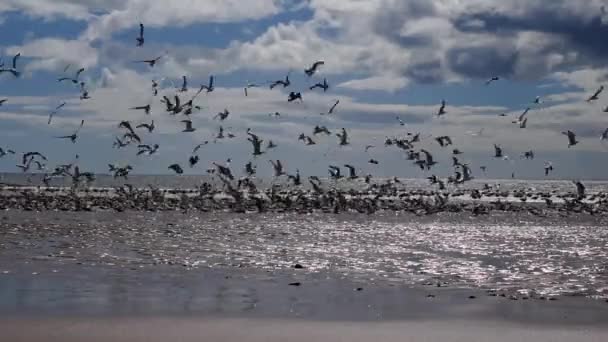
(517, 253)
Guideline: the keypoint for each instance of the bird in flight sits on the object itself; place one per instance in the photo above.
(222, 115)
(285, 83)
(189, 127)
(571, 138)
(442, 109)
(13, 70)
(184, 87)
(145, 108)
(74, 135)
(596, 95)
(140, 39)
(604, 135)
(176, 168)
(74, 79)
(332, 109)
(493, 79)
(343, 136)
(208, 87)
(54, 112)
(497, 151)
(323, 85)
(150, 62)
(294, 96)
(313, 69)
(150, 127)
(147, 149)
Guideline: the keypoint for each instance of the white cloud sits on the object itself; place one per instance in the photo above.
(387, 83)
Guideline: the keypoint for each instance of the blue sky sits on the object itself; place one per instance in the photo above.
(383, 59)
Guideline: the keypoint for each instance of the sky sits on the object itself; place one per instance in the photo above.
(383, 59)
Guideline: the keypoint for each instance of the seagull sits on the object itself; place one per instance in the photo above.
(521, 117)
(249, 86)
(189, 127)
(256, 142)
(548, 168)
(3, 152)
(604, 135)
(146, 108)
(84, 93)
(332, 108)
(401, 123)
(321, 129)
(368, 147)
(493, 79)
(55, 112)
(250, 169)
(335, 172)
(429, 159)
(313, 69)
(323, 85)
(12, 70)
(537, 100)
(294, 96)
(343, 136)
(497, 151)
(175, 167)
(295, 178)
(524, 123)
(120, 144)
(74, 135)
(73, 80)
(132, 136)
(270, 145)
(154, 87)
(150, 150)
(596, 95)
(456, 152)
(571, 138)
(224, 170)
(278, 168)
(3, 101)
(150, 62)
(352, 172)
(309, 141)
(140, 39)
(442, 109)
(285, 83)
(580, 189)
(528, 155)
(193, 161)
(444, 141)
(222, 115)
(198, 147)
(149, 127)
(209, 87)
(373, 161)
(184, 87)
(126, 125)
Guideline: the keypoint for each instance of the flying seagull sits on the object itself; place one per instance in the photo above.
(140, 39)
(571, 138)
(184, 87)
(493, 79)
(294, 96)
(74, 135)
(150, 127)
(193, 160)
(604, 135)
(332, 109)
(343, 136)
(442, 109)
(145, 108)
(13, 70)
(323, 85)
(189, 127)
(313, 69)
(198, 147)
(497, 151)
(208, 87)
(52, 114)
(285, 83)
(150, 62)
(175, 167)
(596, 95)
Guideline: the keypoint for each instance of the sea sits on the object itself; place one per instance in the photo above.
(516, 252)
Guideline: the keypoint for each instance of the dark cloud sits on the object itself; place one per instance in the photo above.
(483, 61)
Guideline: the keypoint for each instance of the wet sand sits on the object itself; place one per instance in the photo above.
(190, 329)
(48, 301)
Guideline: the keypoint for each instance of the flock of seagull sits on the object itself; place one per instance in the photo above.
(178, 104)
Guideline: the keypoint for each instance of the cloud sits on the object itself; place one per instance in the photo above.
(56, 53)
(386, 83)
